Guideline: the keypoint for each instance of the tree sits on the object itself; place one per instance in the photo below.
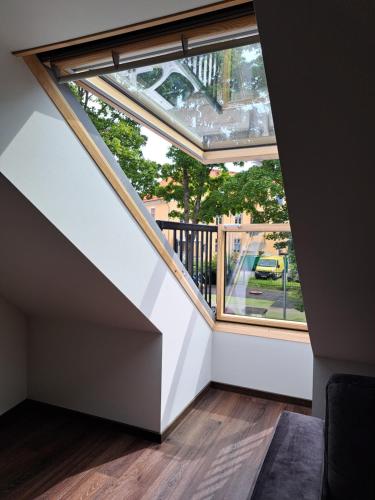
(248, 75)
(258, 191)
(200, 196)
(190, 184)
(123, 137)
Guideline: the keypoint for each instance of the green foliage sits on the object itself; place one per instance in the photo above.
(200, 196)
(123, 137)
(258, 191)
(258, 81)
(149, 78)
(176, 88)
(248, 76)
(190, 184)
(296, 296)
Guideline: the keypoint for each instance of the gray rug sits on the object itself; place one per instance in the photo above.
(293, 466)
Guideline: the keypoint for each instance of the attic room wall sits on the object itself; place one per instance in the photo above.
(104, 357)
(99, 370)
(318, 58)
(264, 364)
(13, 356)
(43, 159)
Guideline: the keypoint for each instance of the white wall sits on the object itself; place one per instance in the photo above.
(41, 156)
(276, 366)
(186, 362)
(13, 359)
(101, 371)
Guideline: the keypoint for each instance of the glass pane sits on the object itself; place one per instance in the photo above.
(217, 100)
(146, 79)
(261, 276)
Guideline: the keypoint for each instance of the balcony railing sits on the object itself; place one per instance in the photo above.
(196, 246)
(258, 280)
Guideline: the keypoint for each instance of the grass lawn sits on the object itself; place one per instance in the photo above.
(272, 284)
(249, 301)
(291, 314)
(238, 304)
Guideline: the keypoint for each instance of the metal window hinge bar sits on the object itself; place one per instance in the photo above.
(171, 56)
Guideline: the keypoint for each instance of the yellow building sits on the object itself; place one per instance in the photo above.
(238, 242)
(160, 210)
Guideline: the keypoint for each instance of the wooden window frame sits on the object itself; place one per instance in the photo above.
(138, 113)
(267, 332)
(220, 284)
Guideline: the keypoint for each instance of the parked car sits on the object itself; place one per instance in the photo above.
(270, 267)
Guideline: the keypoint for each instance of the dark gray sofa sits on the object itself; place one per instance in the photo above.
(309, 459)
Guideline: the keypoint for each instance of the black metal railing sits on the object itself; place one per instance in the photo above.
(196, 246)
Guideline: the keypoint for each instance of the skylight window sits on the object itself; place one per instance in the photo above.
(217, 100)
(199, 82)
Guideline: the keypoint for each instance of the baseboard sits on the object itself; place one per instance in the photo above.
(156, 437)
(147, 434)
(184, 412)
(8, 414)
(262, 394)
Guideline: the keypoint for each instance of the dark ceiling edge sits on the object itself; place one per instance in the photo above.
(193, 21)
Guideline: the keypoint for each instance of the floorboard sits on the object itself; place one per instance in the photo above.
(214, 453)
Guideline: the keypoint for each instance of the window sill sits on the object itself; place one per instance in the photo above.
(262, 331)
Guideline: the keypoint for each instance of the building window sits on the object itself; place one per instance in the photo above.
(218, 219)
(238, 219)
(237, 245)
(153, 212)
(216, 246)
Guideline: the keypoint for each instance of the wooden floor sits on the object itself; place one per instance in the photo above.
(214, 453)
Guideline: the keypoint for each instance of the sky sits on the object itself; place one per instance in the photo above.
(156, 150)
(156, 147)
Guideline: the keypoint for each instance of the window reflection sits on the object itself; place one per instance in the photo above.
(261, 276)
(217, 100)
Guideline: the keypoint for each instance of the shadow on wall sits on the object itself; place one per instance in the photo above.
(153, 288)
(21, 98)
(103, 371)
(191, 370)
(187, 342)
